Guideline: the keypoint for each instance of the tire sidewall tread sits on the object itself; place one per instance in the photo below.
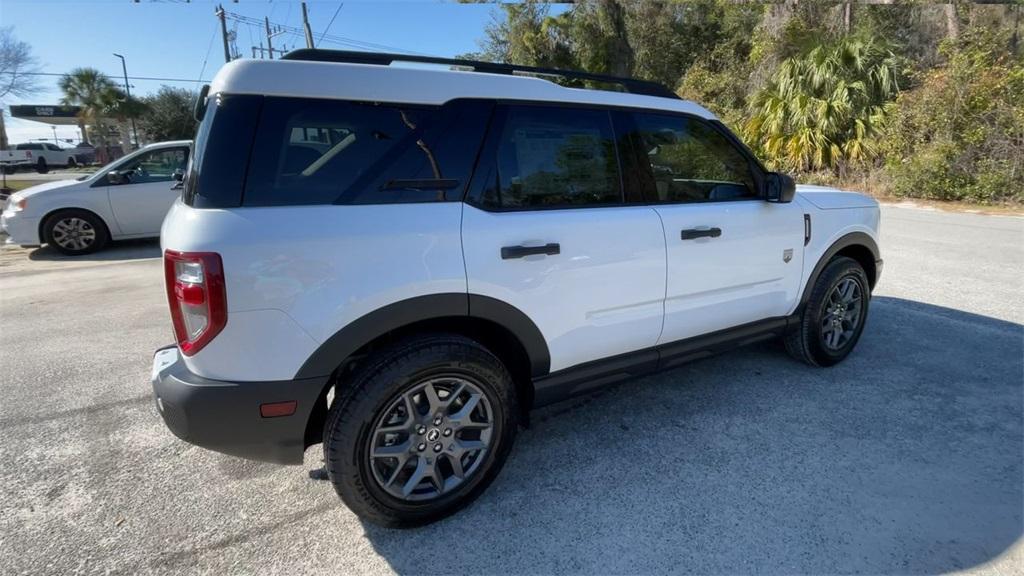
(357, 406)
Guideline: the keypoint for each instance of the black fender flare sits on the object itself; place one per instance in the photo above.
(333, 351)
(845, 241)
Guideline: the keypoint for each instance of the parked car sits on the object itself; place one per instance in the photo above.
(84, 153)
(125, 199)
(39, 155)
(400, 262)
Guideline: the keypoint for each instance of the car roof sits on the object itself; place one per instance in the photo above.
(169, 143)
(416, 85)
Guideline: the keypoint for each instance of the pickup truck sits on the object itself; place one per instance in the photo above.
(38, 155)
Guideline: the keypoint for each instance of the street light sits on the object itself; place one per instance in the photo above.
(128, 92)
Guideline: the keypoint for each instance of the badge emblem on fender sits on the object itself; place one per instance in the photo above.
(787, 255)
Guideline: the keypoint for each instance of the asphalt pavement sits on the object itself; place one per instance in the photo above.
(907, 458)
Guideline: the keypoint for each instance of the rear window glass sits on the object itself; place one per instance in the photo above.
(323, 151)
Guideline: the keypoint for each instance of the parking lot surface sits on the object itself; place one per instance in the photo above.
(906, 458)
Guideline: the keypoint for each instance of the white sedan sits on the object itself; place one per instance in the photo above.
(126, 199)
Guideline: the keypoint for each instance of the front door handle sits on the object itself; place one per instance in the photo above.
(510, 252)
(694, 233)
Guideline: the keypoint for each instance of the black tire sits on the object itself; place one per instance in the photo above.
(54, 236)
(41, 166)
(72, 162)
(9, 170)
(807, 342)
(365, 398)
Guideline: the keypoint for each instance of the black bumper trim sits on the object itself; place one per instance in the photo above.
(225, 416)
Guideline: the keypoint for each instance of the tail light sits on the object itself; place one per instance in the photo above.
(196, 295)
(28, 153)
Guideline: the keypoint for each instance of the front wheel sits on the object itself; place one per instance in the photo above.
(833, 319)
(420, 430)
(75, 232)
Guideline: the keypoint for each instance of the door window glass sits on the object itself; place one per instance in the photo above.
(549, 157)
(155, 166)
(692, 162)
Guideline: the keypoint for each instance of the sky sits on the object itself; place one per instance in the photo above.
(175, 39)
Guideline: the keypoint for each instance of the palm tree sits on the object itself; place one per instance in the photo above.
(95, 93)
(822, 109)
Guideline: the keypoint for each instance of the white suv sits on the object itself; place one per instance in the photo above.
(400, 262)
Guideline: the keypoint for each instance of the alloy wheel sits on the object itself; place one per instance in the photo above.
(432, 438)
(842, 313)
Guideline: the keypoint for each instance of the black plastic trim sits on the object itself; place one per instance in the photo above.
(851, 239)
(631, 85)
(225, 416)
(576, 380)
(336, 349)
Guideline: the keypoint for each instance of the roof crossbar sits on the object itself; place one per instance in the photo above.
(631, 85)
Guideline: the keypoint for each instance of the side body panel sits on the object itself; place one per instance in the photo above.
(602, 295)
(750, 272)
(297, 275)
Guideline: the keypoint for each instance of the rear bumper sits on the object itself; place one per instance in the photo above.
(225, 416)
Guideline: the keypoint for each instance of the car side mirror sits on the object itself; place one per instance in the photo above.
(779, 188)
(116, 177)
(179, 179)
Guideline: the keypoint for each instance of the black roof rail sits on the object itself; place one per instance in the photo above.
(631, 85)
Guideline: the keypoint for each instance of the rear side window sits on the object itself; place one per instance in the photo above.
(553, 157)
(324, 151)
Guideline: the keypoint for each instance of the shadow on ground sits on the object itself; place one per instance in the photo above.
(905, 458)
(115, 250)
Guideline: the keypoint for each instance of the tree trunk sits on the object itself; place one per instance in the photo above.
(847, 16)
(621, 61)
(952, 22)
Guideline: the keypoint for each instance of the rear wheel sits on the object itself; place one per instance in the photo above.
(833, 319)
(421, 430)
(41, 166)
(75, 232)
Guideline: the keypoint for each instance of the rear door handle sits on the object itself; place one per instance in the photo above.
(510, 252)
(693, 233)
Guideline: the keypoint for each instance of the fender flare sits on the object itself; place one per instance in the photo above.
(333, 351)
(845, 241)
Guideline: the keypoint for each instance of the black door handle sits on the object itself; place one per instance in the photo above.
(509, 252)
(693, 233)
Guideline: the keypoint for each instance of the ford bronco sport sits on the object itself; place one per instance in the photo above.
(399, 262)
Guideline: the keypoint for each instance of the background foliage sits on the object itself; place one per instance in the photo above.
(900, 98)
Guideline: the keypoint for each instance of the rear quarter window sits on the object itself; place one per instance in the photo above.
(324, 151)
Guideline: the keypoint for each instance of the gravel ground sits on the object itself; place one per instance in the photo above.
(906, 458)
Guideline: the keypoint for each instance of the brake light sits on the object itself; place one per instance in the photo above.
(196, 296)
(28, 153)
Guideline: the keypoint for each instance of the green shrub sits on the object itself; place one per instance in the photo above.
(960, 134)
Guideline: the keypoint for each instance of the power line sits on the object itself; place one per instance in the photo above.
(340, 4)
(154, 78)
(329, 38)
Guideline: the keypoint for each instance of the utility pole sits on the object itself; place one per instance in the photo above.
(270, 47)
(305, 26)
(128, 92)
(223, 31)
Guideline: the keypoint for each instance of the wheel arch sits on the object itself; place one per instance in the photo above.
(857, 245)
(504, 330)
(46, 217)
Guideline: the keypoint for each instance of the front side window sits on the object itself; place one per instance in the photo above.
(156, 166)
(552, 157)
(690, 161)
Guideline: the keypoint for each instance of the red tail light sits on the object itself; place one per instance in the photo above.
(28, 153)
(196, 295)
